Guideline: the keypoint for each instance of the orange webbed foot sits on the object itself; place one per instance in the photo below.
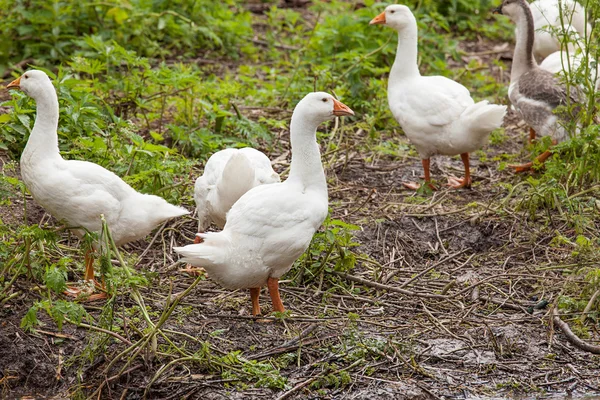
(411, 185)
(416, 186)
(457, 183)
(191, 271)
(86, 291)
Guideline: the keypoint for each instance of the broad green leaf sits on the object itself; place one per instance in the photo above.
(56, 279)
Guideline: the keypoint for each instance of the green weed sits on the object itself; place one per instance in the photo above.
(330, 250)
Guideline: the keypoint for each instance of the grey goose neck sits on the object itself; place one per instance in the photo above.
(523, 60)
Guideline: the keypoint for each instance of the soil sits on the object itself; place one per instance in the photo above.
(461, 310)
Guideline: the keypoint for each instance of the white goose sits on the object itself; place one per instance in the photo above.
(437, 114)
(566, 62)
(229, 174)
(560, 61)
(79, 192)
(270, 226)
(548, 27)
(534, 92)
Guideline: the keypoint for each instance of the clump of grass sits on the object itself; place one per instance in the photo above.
(330, 250)
(49, 32)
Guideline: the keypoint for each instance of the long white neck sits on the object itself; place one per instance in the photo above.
(306, 157)
(43, 141)
(523, 60)
(405, 65)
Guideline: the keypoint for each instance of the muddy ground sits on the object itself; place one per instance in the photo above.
(455, 305)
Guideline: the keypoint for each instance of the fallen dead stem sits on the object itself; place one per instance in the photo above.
(113, 378)
(571, 337)
(98, 329)
(296, 388)
(420, 274)
(376, 285)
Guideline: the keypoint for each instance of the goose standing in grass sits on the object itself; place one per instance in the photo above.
(79, 192)
(552, 19)
(270, 226)
(229, 174)
(534, 92)
(437, 114)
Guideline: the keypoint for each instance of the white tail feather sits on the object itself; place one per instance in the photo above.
(482, 117)
(153, 209)
(237, 178)
(208, 254)
(171, 211)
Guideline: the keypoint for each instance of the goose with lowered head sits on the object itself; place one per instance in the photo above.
(437, 114)
(270, 226)
(535, 92)
(229, 174)
(80, 192)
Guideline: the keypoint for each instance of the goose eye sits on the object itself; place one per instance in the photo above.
(324, 99)
(392, 11)
(26, 76)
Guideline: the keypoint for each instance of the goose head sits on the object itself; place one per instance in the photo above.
(396, 16)
(33, 83)
(513, 9)
(320, 107)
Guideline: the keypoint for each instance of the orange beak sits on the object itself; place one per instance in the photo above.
(340, 109)
(380, 19)
(15, 84)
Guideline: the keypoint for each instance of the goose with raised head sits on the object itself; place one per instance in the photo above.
(437, 114)
(270, 226)
(80, 192)
(229, 174)
(552, 21)
(534, 92)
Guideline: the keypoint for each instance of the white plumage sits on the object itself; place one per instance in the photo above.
(550, 29)
(561, 62)
(270, 226)
(79, 192)
(229, 174)
(437, 114)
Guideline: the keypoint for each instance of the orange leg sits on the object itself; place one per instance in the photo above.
(540, 159)
(273, 285)
(531, 135)
(198, 239)
(413, 185)
(527, 166)
(75, 291)
(254, 295)
(466, 182)
(89, 266)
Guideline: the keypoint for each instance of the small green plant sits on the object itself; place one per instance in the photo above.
(330, 250)
(58, 310)
(49, 32)
(262, 374)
